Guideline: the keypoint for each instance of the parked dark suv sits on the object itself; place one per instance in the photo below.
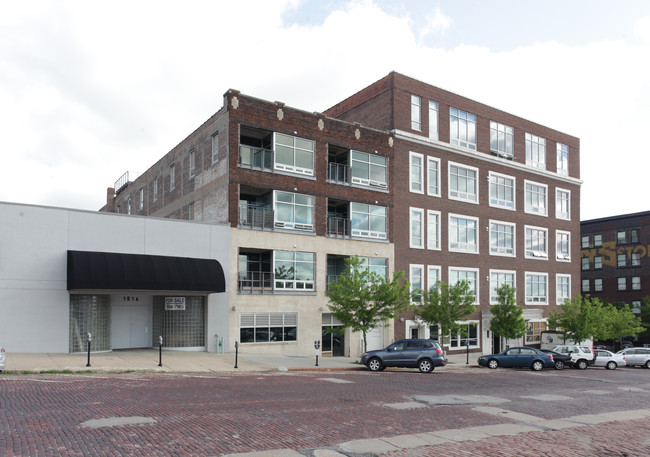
(410, 353)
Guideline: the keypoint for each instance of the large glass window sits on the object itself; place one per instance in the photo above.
(502, 238)
(536, 201)
(469, 337)
(433, 276)
(417, 173)
(497, 279)
(536, 289)
(563, 289)
(462, 128)
(416, 278)
(369, 169)
(294, 154)
(433, 229)
(377, 265)
(563, 246)
(463, 183)
(536, 242)
(502, 191)
(294, 270)
(368, 221)
(294, 211)
(417, 228)
(463, 234)
(433, 176)
(563, 159)
(268, 327)
(501, 139)
(563, 204)
(433, 120)
(416, 113)
(534, 331)
(535, 151)
(469, 275)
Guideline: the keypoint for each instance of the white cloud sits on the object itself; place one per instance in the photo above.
(642, 29)
(437, 22)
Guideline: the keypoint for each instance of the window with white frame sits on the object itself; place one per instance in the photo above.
(462, 128)
(369, 169)
(267, 327)
(433, 176)
(536, 243)
(584, 241)
(192, 161)
(463, 234)
(621, 237)
(293, 211)
(621, 284)
(416, 114)
(598, 285)
(469, 275)
(621, 260)
(585, 263)
(172, 177)
(502, 191)
(562, 159)
(562, 204)
(636, 306)
(534, 331)
(563, 288)
(636, 259)
(433, 120)
(416, 232)
(293, 154)
(502, 238)
(368, 221)
(585, 285)
(536, 288)
(417, 173)
(634, 236)
(377, 265)
(141, 198)
(598, 262)
(416, 278)
(465, 338)
(535, 151)
(497, 279)
(598, 241)
(433, 229)
(215, 147)
(155, 188)
(294, 271)
(536, 198)
(463, 183)
(563, 246)
(501, 139)
(636, 282)
(433, 276)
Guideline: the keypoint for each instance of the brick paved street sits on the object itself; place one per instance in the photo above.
(205, 414)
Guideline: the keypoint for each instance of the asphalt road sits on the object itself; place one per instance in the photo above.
(217, 414)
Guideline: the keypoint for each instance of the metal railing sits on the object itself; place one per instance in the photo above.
(339, 173)
(255, 282)
(255, 217)
(339, 227)
(255, 158)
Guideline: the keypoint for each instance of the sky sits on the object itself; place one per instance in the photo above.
(92, 89)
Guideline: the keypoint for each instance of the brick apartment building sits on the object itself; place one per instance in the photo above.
(614, 259)
(404, 174)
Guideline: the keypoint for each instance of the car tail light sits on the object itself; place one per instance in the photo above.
(2, 350)
(550, 356)
(439, 351)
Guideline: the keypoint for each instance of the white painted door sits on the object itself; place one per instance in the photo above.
(375, 338)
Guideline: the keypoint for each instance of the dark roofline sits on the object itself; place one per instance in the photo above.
(616, 218)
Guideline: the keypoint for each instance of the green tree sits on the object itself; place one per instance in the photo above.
(580, 319)
(645, 315)
(507, 317)
(362, 299)
(444, 305)
(618, 322)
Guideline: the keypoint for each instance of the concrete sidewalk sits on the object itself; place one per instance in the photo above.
(185, 361)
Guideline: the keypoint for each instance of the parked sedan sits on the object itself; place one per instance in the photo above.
(3, 359)
(518, 357)
(608, 359)
(409, 353)
(560, 360)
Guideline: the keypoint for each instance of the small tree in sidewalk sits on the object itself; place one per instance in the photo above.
(507, 316)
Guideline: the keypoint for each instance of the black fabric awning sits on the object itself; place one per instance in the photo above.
(108, 270)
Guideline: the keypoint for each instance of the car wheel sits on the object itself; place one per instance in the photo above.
(493, 363)
(581, 364)
(375, 364)
(425, 366)
(611, 365)
(537, 365)
(647, 364)
(559, 365)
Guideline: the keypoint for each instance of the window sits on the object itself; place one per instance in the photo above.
(535, 151)
(463, 234)
(598, 241)
(534, 331)
(536, 244)
(585, 285)
(621, 260)
(501, 140)
(433, 120)
(369, 170)
(563, 204)
(192, 160)
(433, 276)
(141, 198)
(502, 191)
(294, 270)
(463, 183)
(368, 221)
(267, 327)
(636, 259)
(536, 202)
(598, 285)
(215, 148)
(128, 205)
(563, 246)
(634, 236)
(563, 283)
(636, 306)
(598, 262)
(502, 238)
(190, 211)
(433, 229)
(585, 263)
(497, 279)
(636, 282)
(416, 123)
(155, 188)
(562, 159)
(417, 173)
(584, 242)
(172, 177)
(416, 277)
(621, 237)
(536, 289)
(293, 211)
(469, 275)
(377, 265)
(293, 154)
(462, 128)
(416, 238)
(433, 176)
(621, 283)
(468, 337)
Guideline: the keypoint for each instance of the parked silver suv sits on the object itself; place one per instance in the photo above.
(410, 353)
(636, 356)
(581, 356)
